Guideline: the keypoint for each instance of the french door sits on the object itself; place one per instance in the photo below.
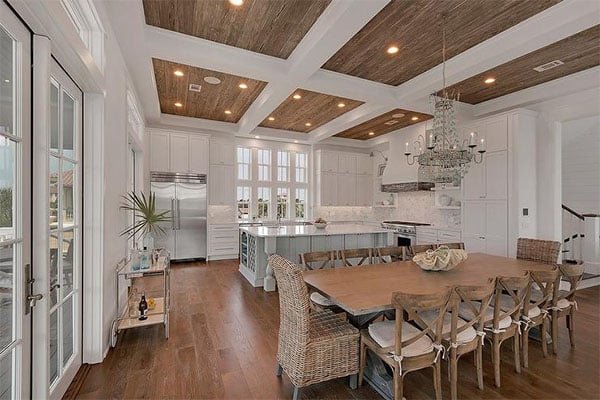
(15, 205)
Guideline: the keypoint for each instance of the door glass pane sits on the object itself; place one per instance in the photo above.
(68, 125)
(6, 375)
(7, 194)
(67, 249)
(67, 193)
(54, 192)
(6, 83)
(54, 118)
(7, 303)
(67, 333)
(53, 346)
(55, 256)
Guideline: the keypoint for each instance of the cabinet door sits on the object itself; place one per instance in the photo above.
(159, 152)
(179, 153)
(198, 155)
(347, 163)
(496, 232)
(364, 165)
(221, 187)
(496, 175)
(496, 134)
(329, 190)
(221, 153)
(364, 190)
(346, 189)
(474, 244)
(474, 218)
(329, 161)
(474, 182)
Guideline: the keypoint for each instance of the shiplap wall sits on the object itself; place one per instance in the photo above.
(581, 164)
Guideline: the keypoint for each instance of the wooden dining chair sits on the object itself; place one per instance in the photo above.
(535, 311)
(313, 346)
(388, 254)
(543, 251)
(319, 260)
(421, 248)
(564, 304)
(364, 256)
(404, 347)
(457, 245)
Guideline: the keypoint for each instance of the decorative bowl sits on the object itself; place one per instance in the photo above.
(320, 225)
(440, 259)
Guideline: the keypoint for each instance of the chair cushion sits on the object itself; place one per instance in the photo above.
(506, 303)
(488, 315)
(321, 300)
(384, 334)
(563, 303)
(463, 337)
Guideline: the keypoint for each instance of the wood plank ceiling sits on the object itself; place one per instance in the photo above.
(311, 108)
(578, 52)
(415, 27)
(271, 27)
(213, 101)
(382, 124)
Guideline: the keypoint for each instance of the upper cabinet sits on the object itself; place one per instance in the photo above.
(343, 179)
(221, 152)
(327, 161)
(364, 165)
(346, 163)
(178, 152)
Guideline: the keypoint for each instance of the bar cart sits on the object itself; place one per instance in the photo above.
(159, 314)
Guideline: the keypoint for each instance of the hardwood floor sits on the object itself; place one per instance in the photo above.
(224, 340)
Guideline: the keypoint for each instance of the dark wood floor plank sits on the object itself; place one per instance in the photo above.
(223, 344)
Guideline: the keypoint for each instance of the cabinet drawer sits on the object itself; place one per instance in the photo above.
(448, 236)
(223, 237)
(222, 249)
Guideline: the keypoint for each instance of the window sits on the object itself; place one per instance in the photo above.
(243, 163)
(263, 200)
(283, 166)
(300, 209)
(301, 167)
(282, 202)
(243, 201)
(85, 19)
(264, 165)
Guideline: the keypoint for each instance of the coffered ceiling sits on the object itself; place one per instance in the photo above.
(225, 101)
(271, 27)
(384, 123)
(415, 29)
(304, 111)
(577, 53)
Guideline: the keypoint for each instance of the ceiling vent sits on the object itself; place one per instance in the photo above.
(547, 66)
(391, 122)
(194, 87)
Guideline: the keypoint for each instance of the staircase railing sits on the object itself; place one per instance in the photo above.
(573, 233)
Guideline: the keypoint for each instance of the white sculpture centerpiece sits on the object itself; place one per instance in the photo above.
(440, 259)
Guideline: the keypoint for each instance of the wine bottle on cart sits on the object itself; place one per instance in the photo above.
(143, 307)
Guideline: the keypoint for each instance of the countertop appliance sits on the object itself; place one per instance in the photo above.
(184, 195)
(405, 233)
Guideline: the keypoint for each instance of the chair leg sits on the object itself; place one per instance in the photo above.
(496, 360)
(438, 379)
(398, 385)
(570, 327)
(525, 345)
(543, 338)
(279, 370)
(296, 393)
(453, 361)
(554, 329)
(353, 381)
(479, 358)
(363, 362)
(517, 351)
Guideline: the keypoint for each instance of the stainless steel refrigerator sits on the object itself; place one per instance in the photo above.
(184, 195)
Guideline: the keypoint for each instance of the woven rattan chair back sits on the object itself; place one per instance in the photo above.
(517, 289)
(456, 245)
(421, 248)
(547, 284)
(364, 256)
(544, 251)
(318, 259)
(390, 254)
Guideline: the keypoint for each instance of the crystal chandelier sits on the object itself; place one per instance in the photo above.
(442, 156)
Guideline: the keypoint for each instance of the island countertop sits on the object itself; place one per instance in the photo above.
(311, 230)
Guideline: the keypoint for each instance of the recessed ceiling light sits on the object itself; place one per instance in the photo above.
(271, 119)
(243, 86)
(256, 137)
(178, 73)
(7, 81)
(236, 3)
(178, 104)
(308, 124)
(371, 133)
(297, 96)
(213, 80)
(341, 105)
(490, 80)
(414, 119)
(392, 49)
(399, 115)
(295, 141)
(227, 112)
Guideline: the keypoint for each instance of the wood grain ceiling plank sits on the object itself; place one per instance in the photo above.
(415, 27)
(314, 108)
(212, 101)
(578, 52)
(378, 127)
(271, 27)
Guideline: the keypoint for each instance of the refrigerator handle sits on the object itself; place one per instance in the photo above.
(172, 213)
(178, 216)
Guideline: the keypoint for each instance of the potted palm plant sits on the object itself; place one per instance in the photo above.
(146, 221)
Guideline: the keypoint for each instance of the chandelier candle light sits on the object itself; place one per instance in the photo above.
(446, 157)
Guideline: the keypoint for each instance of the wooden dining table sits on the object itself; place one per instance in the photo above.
(365, 290)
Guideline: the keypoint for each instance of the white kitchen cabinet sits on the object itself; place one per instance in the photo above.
(496, 175)
(364, 190)
(364, 165)
(198, 155)
(485, 227)
(221, 152)
(221, 185)
(179, 153)
(432, 235)
(328, 160)
(346, 163)
(496, 133)
(346, 192)
(223, 241)
(327, 189)
(426, 235)
(473, 182)
(159, 152)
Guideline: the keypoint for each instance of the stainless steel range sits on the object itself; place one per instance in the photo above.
(405, 233)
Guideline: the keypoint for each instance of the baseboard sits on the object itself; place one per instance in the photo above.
(222, 257)
(586, 283)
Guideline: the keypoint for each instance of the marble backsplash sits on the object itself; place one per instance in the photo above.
(221, 214)
(410, 206)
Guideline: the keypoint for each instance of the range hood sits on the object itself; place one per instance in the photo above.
(398, 176)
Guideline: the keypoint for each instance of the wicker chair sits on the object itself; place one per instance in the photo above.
(404, 347)
(544, 251)
(320, 260)
(457, 245)
(390, 254)
(313, 346)
(421, 248)
(563, 302)
(365, 256)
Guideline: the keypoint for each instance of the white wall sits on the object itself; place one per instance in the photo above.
(549, 199)
(581, 164)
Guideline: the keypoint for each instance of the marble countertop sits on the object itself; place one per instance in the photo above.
(311, 230)
(441, 227)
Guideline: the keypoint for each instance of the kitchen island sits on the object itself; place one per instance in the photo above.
(258, 243)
